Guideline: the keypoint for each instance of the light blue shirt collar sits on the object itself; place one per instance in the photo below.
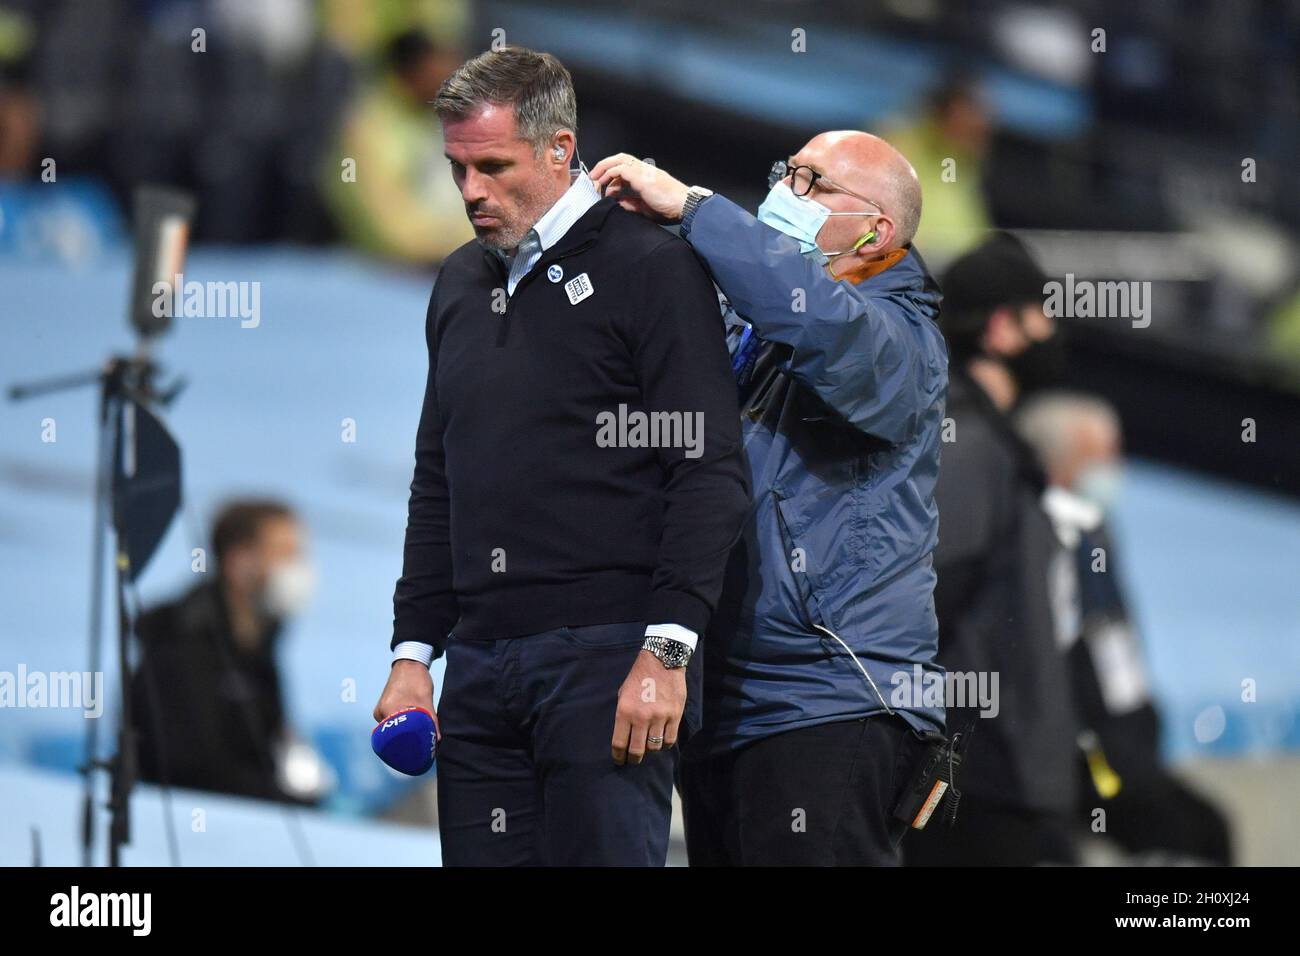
(581, 195)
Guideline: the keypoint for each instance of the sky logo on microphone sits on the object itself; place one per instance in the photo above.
(406, 740)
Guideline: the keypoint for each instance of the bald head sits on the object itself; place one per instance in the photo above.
(870, 167)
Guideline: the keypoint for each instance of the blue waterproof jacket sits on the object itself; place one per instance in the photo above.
(827, 612)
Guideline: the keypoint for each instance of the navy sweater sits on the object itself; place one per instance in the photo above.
(537, 501)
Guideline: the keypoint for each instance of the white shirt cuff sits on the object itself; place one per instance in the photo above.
(674, 632)
(413, 651)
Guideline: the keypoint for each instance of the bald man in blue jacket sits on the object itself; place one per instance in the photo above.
(820, 657)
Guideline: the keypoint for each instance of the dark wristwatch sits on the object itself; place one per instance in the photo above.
(672, 654)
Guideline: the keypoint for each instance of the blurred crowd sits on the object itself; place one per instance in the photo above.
(290, 120)
(307, 121)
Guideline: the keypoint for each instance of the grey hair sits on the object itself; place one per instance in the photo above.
(1046, 422)
(906, 189)
(536, 84)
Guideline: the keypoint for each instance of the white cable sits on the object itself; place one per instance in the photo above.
(855, 660)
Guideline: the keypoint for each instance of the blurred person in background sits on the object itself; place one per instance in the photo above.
(400, 204)
(566, 571)
(1148, 811)
(829, 594)
(948, 145)
(364, 28)
(19, 109)
(206, 691)
(46, 211)
(1001, 609)
(1282, 331)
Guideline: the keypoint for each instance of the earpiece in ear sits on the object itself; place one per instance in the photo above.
(559, 152)
(869, 239)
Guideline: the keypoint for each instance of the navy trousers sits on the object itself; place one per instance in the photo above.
(524, 771)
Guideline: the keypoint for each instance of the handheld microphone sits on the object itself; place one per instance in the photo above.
(406, 740)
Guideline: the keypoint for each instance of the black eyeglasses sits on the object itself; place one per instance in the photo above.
(804, 178)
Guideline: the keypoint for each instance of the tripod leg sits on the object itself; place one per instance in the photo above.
(91, 748)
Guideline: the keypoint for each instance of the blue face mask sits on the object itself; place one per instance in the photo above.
(801, 219)
(1101, 484)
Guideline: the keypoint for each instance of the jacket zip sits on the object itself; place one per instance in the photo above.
(503, 330)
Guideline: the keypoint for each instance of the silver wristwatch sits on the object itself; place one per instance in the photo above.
(672, 654)
(694, 196)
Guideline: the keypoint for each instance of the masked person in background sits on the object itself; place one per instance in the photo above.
(827, 601)
(1006, 610)
(206, 693)
(1149, 812)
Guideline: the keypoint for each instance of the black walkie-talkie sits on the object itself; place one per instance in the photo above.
(933, 778)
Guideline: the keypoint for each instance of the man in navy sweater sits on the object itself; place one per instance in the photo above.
(578, 485)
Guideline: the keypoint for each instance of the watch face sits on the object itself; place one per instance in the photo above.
(670, 653)
(675, 654)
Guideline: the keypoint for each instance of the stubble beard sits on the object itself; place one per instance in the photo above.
(512, 230)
